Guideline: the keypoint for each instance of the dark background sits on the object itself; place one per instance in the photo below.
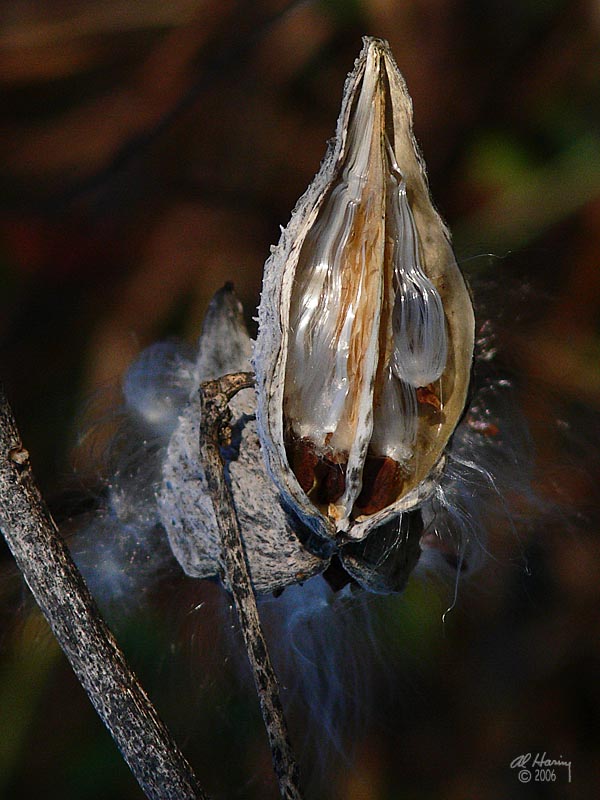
(149, 153)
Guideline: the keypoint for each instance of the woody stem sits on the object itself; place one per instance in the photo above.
(214, 398)
(58, 587)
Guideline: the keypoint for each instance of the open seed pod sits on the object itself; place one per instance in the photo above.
(366, 325)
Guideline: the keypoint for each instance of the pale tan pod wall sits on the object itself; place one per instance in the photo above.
(438, 260)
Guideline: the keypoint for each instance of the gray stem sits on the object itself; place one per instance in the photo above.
(214, 398)
(33, 538)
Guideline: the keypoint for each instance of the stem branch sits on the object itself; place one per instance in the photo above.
(214, 398)
(46, 564)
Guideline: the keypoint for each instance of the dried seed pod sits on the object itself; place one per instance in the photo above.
(366, 325)
(276, 557)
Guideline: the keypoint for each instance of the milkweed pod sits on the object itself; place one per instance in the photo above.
(366, 326)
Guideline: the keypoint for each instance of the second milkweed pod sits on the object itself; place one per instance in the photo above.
(366, 325)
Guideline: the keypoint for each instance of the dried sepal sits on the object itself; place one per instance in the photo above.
(365, 323)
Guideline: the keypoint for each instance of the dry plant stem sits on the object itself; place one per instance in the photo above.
(43, 558)
(214, 396)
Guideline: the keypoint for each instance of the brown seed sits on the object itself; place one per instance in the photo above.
(333, 481)
(426, 396)
(304, 461)
(382, 481)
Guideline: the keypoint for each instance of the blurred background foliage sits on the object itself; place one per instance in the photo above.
(150, 152)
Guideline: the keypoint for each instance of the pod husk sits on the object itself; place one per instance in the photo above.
(439, 264)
